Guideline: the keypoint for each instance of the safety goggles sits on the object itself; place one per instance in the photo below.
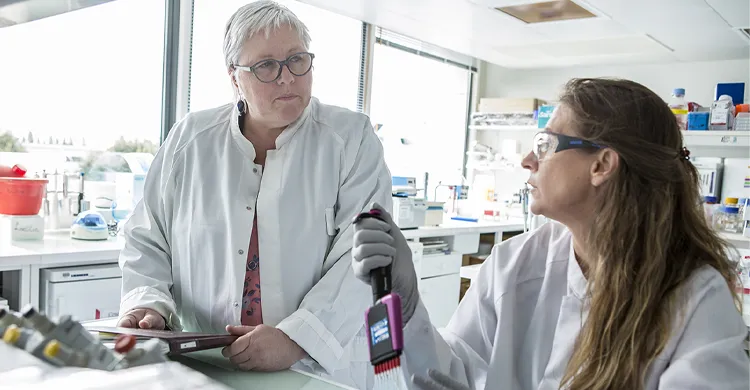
(268, 71)
(547, 143)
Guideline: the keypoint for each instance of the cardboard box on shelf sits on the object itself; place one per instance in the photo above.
(472, 259)
(509, 105)
(465, 283)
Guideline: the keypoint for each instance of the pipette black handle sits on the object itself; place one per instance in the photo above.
(380, 278)
(380, 281)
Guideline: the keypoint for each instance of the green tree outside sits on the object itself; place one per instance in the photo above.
(134, 146)
(10, 143)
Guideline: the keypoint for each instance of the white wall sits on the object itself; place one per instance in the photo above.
(698, 78)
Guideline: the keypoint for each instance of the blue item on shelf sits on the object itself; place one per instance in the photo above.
(698, 120)
(465, 219)
(545, 112)
(735, 90)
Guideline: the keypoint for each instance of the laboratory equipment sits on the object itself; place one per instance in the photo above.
(85, 292)
(67, 343)
(545, 113)
(697, 120)
(679, 107)
(710, 204)
(727, 219)
(434, 214)
(742, 121)
(722, 114)
(8, 318)
(403, 186)
(89, 225)
(522, 198)
(408, 212)
(61, 205)
(710, 178)
(21, 195)
(384, 326)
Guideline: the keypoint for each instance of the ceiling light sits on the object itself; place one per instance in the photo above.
(549, 11)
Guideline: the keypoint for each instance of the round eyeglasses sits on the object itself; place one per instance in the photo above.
(268, 71)
(546, 143)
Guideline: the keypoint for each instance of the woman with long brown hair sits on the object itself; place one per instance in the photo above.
(628, 288)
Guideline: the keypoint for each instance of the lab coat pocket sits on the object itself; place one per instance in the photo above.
(331, 228)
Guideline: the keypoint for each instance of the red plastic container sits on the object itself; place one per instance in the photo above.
(14, 171)
(21, 196)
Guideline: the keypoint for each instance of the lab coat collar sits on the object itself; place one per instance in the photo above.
(247, 147)
(576, 281)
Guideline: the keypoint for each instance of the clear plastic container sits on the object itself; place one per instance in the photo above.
(679, 107)
(710, 204)
(742, 205)
(727, 219)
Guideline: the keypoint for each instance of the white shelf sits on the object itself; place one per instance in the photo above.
(532, 129)
(710, 143)
(738, 240)
(492, 168)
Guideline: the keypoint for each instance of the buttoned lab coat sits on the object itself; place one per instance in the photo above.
(516, 326)
(186, 242)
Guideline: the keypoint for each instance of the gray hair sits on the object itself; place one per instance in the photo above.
(258, 16)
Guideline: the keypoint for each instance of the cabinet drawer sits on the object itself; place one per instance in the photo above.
(436, 265)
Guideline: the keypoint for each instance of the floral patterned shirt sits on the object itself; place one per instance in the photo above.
(251, 308)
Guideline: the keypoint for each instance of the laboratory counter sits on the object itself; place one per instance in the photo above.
(196, 370)
(58, 243)
(25, 261)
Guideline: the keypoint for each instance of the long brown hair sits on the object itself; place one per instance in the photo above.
(648, 237)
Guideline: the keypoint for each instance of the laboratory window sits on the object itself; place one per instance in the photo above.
(419, 107)
(336, 42)
(83, 87)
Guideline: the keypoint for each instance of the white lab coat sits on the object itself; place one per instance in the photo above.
(516, 326)
(186, 242)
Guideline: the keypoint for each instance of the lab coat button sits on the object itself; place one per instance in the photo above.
(241, 252)
(255, 170)
(249, 208)
(236, 304)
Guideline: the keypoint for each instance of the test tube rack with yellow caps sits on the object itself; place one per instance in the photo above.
(68, 343)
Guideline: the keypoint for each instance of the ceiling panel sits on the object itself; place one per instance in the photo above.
(735, 12)
(581, 29)
(694, 29)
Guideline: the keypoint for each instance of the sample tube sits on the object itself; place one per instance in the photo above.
(56, 350)
(38, 321)
(14, 335)
(7, 318)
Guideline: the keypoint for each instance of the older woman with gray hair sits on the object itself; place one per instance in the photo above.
(245, 224)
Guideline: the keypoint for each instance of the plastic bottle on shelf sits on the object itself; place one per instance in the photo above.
(679, 107)
(710, 204)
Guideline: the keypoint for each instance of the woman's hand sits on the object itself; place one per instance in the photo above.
(378, 243)
(142, 318)
(262, 348)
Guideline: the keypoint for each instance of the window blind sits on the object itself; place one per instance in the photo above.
(424, 49)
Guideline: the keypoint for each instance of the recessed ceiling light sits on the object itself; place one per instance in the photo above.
(549, 11)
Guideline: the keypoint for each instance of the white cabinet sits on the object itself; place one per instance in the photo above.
(84, 292)
(440, 297)
(439, 285)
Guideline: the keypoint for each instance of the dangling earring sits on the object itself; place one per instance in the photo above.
(241, 107)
